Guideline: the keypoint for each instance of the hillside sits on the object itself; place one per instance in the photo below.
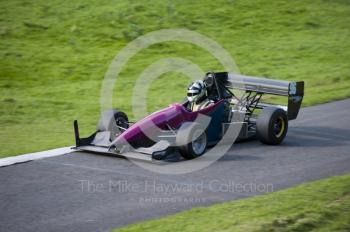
(54, 56)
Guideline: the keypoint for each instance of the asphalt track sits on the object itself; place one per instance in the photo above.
(88, 192)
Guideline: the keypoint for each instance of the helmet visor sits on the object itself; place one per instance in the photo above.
(192, 94)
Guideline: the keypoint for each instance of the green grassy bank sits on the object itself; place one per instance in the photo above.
(54, 56)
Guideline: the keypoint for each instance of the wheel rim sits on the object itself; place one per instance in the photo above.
(122, 123)
(279, 127)
(199, 142)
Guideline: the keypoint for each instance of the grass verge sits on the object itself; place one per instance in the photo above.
(317, 206)
(54, 56)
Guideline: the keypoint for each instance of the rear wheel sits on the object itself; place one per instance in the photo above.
(272, 125)
(191, 140)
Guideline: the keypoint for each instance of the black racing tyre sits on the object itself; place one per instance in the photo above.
(191, 140)
(272, 125)
(121, 119)
(113, 121)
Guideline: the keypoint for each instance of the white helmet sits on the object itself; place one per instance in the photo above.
(195, 90)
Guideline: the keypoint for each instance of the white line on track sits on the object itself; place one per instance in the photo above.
(34, 156)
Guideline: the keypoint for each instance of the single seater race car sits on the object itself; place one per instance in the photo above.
(177, 128)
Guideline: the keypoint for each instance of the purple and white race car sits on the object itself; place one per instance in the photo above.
(178, 128)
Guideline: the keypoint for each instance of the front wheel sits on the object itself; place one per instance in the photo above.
(114, 121)
(272, 125)
(191, 140)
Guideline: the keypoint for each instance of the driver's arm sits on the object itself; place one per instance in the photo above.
(202, 105)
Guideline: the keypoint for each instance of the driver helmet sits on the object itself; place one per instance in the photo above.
(195, 90)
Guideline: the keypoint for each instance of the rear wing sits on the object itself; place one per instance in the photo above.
(294, 91)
